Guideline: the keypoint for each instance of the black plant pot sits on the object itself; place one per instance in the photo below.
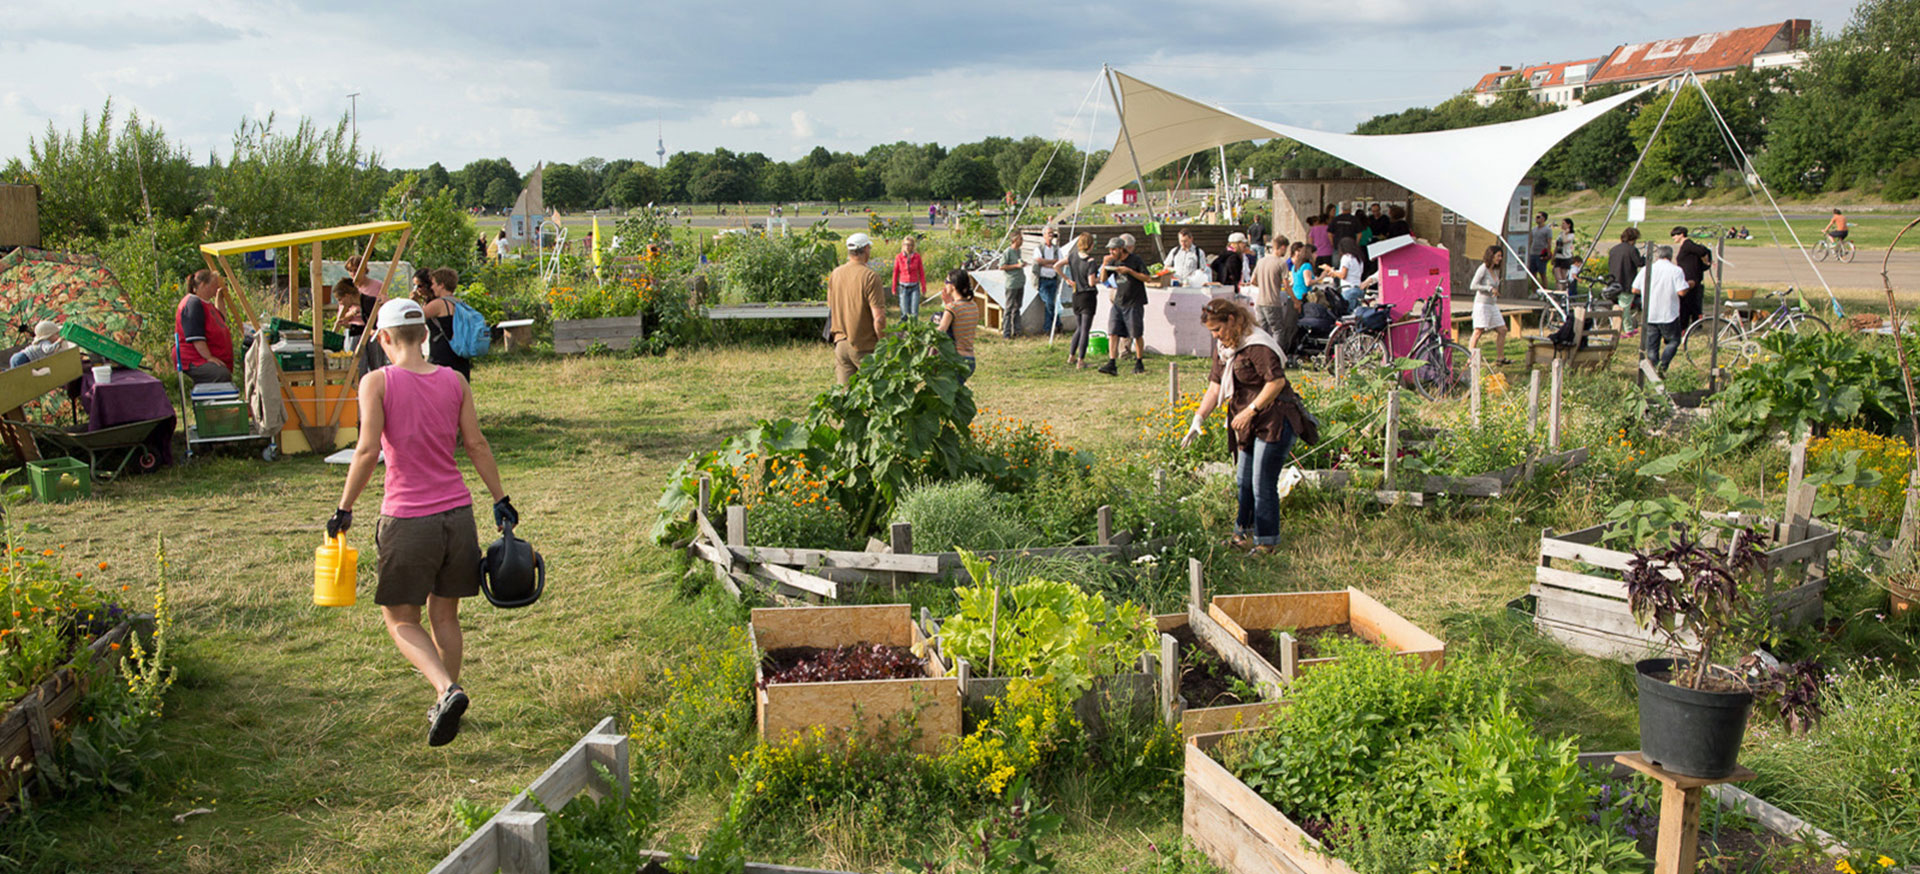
(1689, 731)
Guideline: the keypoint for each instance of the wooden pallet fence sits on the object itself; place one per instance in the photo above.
(514, 841)
(30, 730)
(572, 336)
(1578, 597)
(930, 704)
(1284, 613)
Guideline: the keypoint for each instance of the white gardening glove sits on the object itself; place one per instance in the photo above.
(1193, 430)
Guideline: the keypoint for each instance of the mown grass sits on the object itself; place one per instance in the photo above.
(302, 728)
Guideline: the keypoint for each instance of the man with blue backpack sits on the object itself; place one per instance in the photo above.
(456, 332)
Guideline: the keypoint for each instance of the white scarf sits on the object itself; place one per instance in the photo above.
(1257, 338)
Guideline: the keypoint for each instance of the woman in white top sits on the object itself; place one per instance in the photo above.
(1486, 302)
(1565, 250)
(1349, 272)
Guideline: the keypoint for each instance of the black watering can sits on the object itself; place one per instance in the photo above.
(512, 574)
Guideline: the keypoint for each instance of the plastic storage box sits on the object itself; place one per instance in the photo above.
(56, 480)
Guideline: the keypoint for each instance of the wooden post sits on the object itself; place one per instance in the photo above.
(1104, 520)
(1677, 851)
(326, 411)
(1173, 383)
(704, 498)
(522, 837)
(1387, 457)
(1159, 481)
(1553, 406)
(1533, 403)
(1799, 493)
(1473, 394)
(901, 542)
(736, 525)
(1196, 585)
(1910, 518)
(1169, 680)
(293, 282)
(1289, 655)
(1339, 368)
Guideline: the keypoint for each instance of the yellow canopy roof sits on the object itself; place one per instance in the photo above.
(281, 241)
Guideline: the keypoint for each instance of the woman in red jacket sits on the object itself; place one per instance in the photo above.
(909, 277)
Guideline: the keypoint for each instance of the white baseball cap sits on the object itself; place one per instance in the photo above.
(400, 311)
(858, 241)
(1236, 237)
(45, 330)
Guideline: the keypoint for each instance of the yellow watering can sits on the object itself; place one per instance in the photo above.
(335, 570)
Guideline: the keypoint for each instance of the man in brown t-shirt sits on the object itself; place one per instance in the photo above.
(857, 307)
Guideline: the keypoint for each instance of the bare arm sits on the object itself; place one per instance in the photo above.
(366, 452)
(478, 450)
(879, 319)
(946, 321)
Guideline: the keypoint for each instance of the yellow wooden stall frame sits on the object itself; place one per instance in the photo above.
(321, 415)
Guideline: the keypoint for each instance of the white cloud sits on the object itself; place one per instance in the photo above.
(743, 118)
(802, 123)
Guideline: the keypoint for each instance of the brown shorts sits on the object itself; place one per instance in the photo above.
(437, 554)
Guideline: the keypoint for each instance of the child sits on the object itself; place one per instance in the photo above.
(413, 410)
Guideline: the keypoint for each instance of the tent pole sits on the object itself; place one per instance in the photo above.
(1138, 176)
(1615, 209)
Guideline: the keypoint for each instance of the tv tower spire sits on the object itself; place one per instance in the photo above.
(661, 151)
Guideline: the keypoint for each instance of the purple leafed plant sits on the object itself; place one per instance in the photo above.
(860, 661)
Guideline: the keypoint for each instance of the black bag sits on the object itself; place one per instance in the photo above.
(1563, 338)
(1373, 320)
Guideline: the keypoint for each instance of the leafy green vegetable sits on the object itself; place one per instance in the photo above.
(1041, 628)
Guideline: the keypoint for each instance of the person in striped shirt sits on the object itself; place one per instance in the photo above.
(961, 318)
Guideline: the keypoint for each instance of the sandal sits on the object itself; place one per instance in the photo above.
(1239, 541)
(1262, 549)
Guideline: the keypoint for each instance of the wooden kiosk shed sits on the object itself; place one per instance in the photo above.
(322, 404)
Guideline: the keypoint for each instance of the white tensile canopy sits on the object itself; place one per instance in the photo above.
(1472, 171)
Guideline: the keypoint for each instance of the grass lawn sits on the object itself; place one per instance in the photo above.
(303, 729)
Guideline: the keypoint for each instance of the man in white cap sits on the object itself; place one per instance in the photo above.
(1234, 266)
(416, 413)
(46, 341)
(856, 308)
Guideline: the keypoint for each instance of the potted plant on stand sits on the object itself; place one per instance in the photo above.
(1693, 709)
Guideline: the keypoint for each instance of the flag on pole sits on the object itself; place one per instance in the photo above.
(596, 247)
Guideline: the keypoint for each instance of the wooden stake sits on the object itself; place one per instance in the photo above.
(901, 541)
(1533, 403)
(1289, 656)
(1388, 457)
(704, 498)
(1169, 679)
(1173, 383)
(1553, 406)
(736, 525)
(1104, 521)
(1196, 585)
(1473, 394)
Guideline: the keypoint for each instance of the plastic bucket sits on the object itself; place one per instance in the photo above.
(1097, 344)
(1693, 732)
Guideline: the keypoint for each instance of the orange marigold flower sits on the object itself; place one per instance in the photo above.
(103, 565)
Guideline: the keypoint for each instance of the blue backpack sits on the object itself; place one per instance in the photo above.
(472, 337)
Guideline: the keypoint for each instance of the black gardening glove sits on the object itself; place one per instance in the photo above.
(504, 515)
(341, 521)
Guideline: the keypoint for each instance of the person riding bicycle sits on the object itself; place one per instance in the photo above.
(1837, 226)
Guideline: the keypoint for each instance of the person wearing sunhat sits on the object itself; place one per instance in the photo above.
(856, 309)
(416, 412)
(46, 341)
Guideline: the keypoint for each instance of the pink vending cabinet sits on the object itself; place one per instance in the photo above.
(1410, 272)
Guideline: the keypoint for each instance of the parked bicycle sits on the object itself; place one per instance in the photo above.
(1593, 295)
(1740, 332)
(1442, 367)
(1841, 249)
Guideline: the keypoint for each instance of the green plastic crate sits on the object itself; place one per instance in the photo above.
(295, 362)
(57, 480)
(335, 342)
(225, 418)
(100, 345)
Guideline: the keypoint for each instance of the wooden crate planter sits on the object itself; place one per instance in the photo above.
(1239, 830)
(1419, 489)
(1242, 660)
(1369, 619)
(865, 706)
(28, 731)
(1578, 597)
(579, 335)
(514, 841)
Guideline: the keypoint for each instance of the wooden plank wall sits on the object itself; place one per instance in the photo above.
(20, 215)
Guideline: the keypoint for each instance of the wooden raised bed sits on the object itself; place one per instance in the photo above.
(514, 841)
(1235, 655)
(869, 707)
(1290, 612)
(1239, 830)
(579, 335)
(30, 729)
(1582, 602)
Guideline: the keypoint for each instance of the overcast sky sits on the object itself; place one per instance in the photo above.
(532, 81)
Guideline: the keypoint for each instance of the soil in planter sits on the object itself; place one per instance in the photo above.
(1205, 680)
(860, 661)
(1712, 682)
(1266, 641)
(1742, 851)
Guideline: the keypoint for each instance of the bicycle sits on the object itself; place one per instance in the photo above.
(1842, 249)
(1441, 371)
(1600, 295)
(1739, 337)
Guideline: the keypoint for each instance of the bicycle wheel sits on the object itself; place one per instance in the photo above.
(1697, 341)
(1359, 350)
(1845, 250)
(1820, 251)
(1443, 371)
(1801, 323)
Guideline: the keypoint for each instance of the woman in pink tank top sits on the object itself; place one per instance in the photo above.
(417, 413)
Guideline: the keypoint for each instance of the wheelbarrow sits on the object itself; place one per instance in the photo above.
(127, 442)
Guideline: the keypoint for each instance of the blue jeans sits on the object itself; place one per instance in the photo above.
(969, 359)
(1667, 335)
(1258, 468)
(909, 300)
(1353, 295)
(1049, 288)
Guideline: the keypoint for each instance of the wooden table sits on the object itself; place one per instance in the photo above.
(1679, 845)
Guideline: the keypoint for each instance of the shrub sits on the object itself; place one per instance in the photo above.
(1874, 508)
(707, 711)
(788, 506)
(1903, 182)
(1807, 383)
(964, 514)
(769, 268)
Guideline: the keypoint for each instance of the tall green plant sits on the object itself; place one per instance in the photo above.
(443, 234)
(277, 182)
(1807, 383)
(765, 267)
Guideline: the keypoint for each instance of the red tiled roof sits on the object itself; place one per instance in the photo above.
(1556, 75)
(1706, 52)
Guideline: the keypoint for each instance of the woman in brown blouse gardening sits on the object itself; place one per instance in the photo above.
(1264, 416)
